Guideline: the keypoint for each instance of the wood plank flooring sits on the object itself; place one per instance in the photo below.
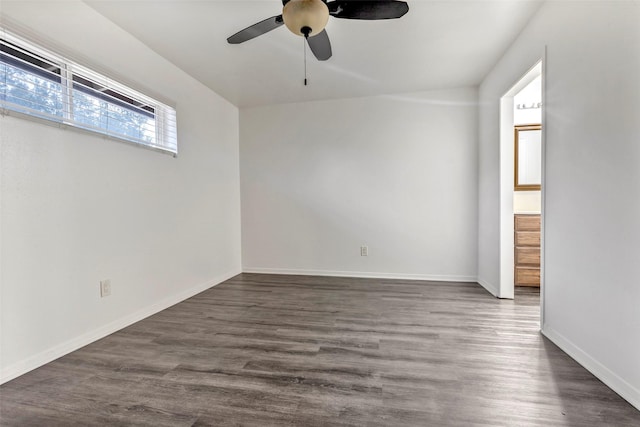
(268, 350)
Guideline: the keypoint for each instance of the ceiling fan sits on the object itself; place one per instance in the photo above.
(309, 17)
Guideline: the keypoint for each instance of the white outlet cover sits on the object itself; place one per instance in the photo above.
(105, 288)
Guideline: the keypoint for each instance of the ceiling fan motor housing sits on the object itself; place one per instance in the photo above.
(301, 15)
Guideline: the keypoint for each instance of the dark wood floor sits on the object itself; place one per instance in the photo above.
(311, 351)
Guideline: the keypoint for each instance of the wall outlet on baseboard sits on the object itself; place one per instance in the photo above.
(364, 250)
(105, 288)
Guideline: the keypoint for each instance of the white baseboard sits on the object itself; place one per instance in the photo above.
(361, 274)
(493, 290)
(35, 361)
(616, 383)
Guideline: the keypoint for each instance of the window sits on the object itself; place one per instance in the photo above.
(38, 83)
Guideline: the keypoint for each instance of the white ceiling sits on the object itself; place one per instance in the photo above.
(438, 44)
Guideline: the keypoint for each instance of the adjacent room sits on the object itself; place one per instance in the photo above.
(319, 213)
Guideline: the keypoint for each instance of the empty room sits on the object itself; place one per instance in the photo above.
(319, 213)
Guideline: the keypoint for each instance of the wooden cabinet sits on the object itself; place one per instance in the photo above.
(527, 250)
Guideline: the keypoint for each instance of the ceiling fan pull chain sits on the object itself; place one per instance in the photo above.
(304, 48)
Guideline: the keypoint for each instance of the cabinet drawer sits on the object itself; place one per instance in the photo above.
(527, 238)
(527, 223)
(528, 256)
(527, 276)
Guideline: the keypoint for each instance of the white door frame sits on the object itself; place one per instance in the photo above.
(506, 289)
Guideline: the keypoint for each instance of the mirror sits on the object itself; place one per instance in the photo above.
(528, 158)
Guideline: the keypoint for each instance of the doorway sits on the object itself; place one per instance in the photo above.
(522, 186)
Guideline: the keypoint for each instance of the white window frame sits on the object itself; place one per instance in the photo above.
(164, 116)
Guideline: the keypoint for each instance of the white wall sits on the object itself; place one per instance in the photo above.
(527, 202)
(76, 208)
(395, 173)
(591, 193)
(530, 94)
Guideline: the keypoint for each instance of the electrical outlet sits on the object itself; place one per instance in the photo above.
(105, 288)
(364, 251)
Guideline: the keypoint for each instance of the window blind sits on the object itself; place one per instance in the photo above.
(36, 82)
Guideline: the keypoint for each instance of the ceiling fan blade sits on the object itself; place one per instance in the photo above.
(367, 9)
(320, 45)
(256, 30)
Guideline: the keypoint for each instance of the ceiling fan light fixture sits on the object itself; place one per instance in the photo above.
(305, 16)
